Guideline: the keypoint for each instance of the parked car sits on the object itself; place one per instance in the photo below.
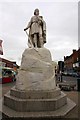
(8, 75)
(67, 86)
(64, 73)
(74, 74)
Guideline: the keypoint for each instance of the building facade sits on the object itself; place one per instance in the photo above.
(72, 62)
(7, 63)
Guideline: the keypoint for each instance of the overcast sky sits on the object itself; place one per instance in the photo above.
(62, 27)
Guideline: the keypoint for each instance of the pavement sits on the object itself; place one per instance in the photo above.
(73, 95)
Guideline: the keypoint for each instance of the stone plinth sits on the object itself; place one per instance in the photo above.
(36, 71)
(35, 94)
(36, 104)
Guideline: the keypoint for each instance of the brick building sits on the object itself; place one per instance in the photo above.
(72, 62)
(7, 63)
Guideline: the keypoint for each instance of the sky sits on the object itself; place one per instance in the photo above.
(61, 18)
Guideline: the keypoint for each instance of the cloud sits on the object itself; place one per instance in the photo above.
(39, 1)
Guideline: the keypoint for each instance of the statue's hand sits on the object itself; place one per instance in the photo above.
(44, 41)
(25, 29)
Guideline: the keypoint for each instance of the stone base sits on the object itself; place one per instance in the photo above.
(35, 94)
(59, 113)
(36, 71)
(36, 103)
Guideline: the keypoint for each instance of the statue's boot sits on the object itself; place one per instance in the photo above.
(35, 40)
(41, 42)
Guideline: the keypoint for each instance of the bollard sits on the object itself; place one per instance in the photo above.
(78, 84)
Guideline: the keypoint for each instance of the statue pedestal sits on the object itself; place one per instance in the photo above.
(36, 71)
(35, 94)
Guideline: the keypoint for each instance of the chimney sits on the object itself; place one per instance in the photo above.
(64, 57)
(74, 51)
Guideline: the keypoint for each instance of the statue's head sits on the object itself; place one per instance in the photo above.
(36, 12)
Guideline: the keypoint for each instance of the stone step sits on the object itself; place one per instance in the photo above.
(59, 113)
(35, 94)
(35, 104)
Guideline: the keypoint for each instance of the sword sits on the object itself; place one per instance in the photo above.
(31, 44)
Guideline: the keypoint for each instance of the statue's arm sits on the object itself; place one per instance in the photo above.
(44, 25)
(29, 25)
(44, 31)
(40, 18)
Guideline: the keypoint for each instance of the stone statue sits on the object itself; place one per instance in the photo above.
(37, 31)
(35, 94)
